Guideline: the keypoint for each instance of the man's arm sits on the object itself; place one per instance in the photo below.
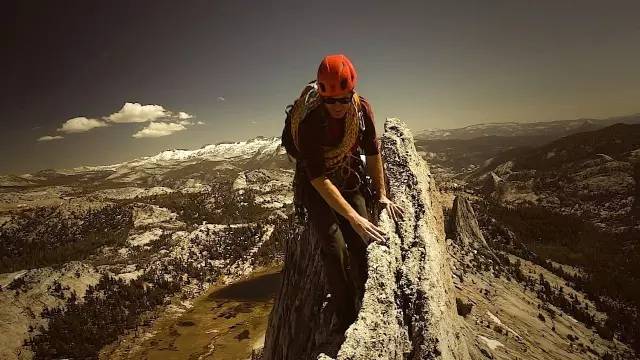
(360, 224)
(333, 197)
(375, 170)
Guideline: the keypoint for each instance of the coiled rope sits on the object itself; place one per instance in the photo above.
(335, 156)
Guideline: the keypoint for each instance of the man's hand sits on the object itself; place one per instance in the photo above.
(395, 212)
(367, 231)
(360, 224)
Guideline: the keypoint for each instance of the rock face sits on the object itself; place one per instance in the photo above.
(463, 226)
(492, 182)
(506, 300)
(408, 310)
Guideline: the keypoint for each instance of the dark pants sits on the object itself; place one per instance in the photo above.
(343, 252)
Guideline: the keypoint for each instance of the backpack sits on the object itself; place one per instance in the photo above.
(287, 136)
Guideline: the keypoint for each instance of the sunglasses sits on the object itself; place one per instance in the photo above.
(344, 100)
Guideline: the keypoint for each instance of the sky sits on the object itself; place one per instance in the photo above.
(94, 83)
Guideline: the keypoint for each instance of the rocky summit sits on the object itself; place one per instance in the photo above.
(408, 310)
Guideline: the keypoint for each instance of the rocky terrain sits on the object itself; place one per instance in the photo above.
(568, 205)
(592, 175)
(517, 309)
(132, 238)
(519, 244)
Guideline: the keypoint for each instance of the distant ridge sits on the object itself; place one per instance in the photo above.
(555, 128)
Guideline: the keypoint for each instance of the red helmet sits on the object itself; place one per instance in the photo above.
(336, 76)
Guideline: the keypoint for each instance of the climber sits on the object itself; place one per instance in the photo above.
(333, 184)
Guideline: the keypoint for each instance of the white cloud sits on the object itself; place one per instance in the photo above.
(162, 122)
(183, 115)
(220, 98)
(200, 123)
(81, 124)
(137, 113)
(49, 138)
(158, 129)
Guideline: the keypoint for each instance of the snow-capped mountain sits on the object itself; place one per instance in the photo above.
(259, 152)
(257, 148)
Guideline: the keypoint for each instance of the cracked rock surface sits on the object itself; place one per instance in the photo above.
(408, 310)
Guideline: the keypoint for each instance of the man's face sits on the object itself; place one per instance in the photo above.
(336, 108)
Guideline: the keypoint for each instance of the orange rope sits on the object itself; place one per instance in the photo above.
(334, 156)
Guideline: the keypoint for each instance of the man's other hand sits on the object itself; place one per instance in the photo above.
(367, 231)
(395, 212)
